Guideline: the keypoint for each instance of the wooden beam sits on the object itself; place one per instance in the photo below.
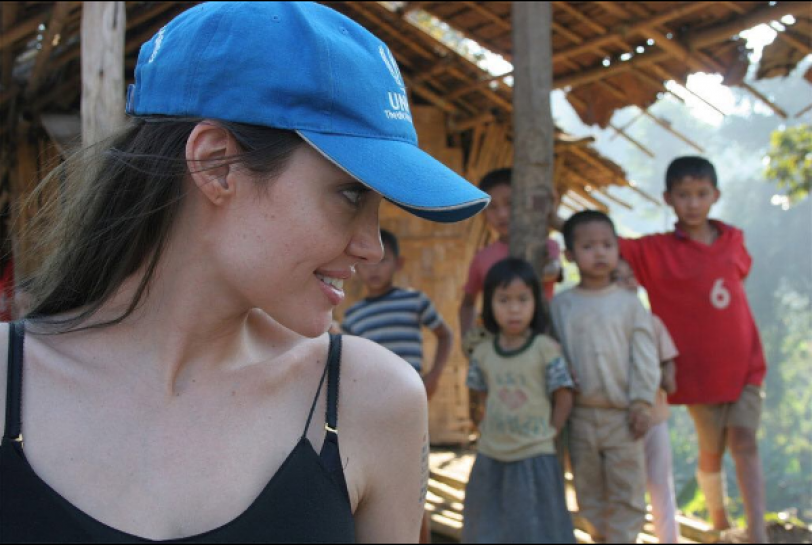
(21, 30)
(780, 112)
(791, 39)
(634, 187)
(605, 192)
(700, 61)
(9, 14)
(632, 28)
(488, 14)
(470, 122)
(588, 158)
(103, 28)
(532, 202)
(692, 40)
(133, 43)
(803, 111)
(667, 126)
(52, 33)
(361, 8)
(67, 89)
(636, 144)
(665, 75)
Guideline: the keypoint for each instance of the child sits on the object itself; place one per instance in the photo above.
(659, 471)
(516, 490)
(393, 317)
(607, 337)
(497, 184)
(695, 281)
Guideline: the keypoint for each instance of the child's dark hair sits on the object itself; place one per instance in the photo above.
(501, 275)
(581, 218)
(500, 176)
(388, 239)
(691, 166)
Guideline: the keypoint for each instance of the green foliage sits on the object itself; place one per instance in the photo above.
(790, 161)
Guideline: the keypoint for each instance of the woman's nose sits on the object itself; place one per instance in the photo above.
(366, 244)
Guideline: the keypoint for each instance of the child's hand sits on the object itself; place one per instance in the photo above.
(669, 380)
(639, 419)
(431, 382)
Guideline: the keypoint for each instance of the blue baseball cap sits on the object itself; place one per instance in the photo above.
(303, 67)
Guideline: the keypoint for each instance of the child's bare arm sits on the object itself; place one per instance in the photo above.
(477, 406)
(562, 407)
(445, 338)
(669, 377)
(467, 314)
(639, 419)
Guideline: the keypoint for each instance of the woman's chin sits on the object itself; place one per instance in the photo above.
(312, 329)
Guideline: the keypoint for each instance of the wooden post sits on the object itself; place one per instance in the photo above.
(533, 131)
(103, 92)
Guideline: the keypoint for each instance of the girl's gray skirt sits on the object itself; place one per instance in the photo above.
(516, 502)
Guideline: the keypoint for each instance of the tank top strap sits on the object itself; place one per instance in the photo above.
(330, 453)
(333, 378)
(14, 386)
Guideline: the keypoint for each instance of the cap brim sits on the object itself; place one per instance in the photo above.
(403, 174)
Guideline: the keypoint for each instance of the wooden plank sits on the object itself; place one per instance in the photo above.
(533, 129)
(103, 29)
(52, 33)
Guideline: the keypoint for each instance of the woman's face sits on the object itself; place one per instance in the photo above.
(289, 247)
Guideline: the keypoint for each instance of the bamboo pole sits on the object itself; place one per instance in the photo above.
(103, 28)
(533, 128)
(780, 112)
(802, 112)
(637, 144)
(667, 126)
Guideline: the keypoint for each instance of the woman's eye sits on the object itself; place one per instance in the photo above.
(354, 195)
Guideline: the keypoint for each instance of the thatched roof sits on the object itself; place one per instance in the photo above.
(661, 41)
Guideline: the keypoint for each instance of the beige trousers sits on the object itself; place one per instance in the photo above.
(610, 474)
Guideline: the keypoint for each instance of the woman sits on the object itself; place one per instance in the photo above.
(175, 361)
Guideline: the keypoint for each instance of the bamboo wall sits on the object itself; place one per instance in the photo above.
(436, 261)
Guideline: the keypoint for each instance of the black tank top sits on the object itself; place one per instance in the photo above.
(305, 501)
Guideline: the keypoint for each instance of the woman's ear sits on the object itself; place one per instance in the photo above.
(207, 148)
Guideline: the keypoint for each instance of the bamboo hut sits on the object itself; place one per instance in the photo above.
(605, 56)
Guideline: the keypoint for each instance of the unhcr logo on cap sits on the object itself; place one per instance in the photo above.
(390, 63)
(398, 101)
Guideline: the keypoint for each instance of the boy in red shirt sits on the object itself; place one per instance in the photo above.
(695, 281)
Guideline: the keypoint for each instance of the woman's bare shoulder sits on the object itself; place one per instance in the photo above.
(377, 374)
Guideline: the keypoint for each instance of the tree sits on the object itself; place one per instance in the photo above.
(789, 161)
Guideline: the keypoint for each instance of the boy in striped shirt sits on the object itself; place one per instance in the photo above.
(394, 317)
